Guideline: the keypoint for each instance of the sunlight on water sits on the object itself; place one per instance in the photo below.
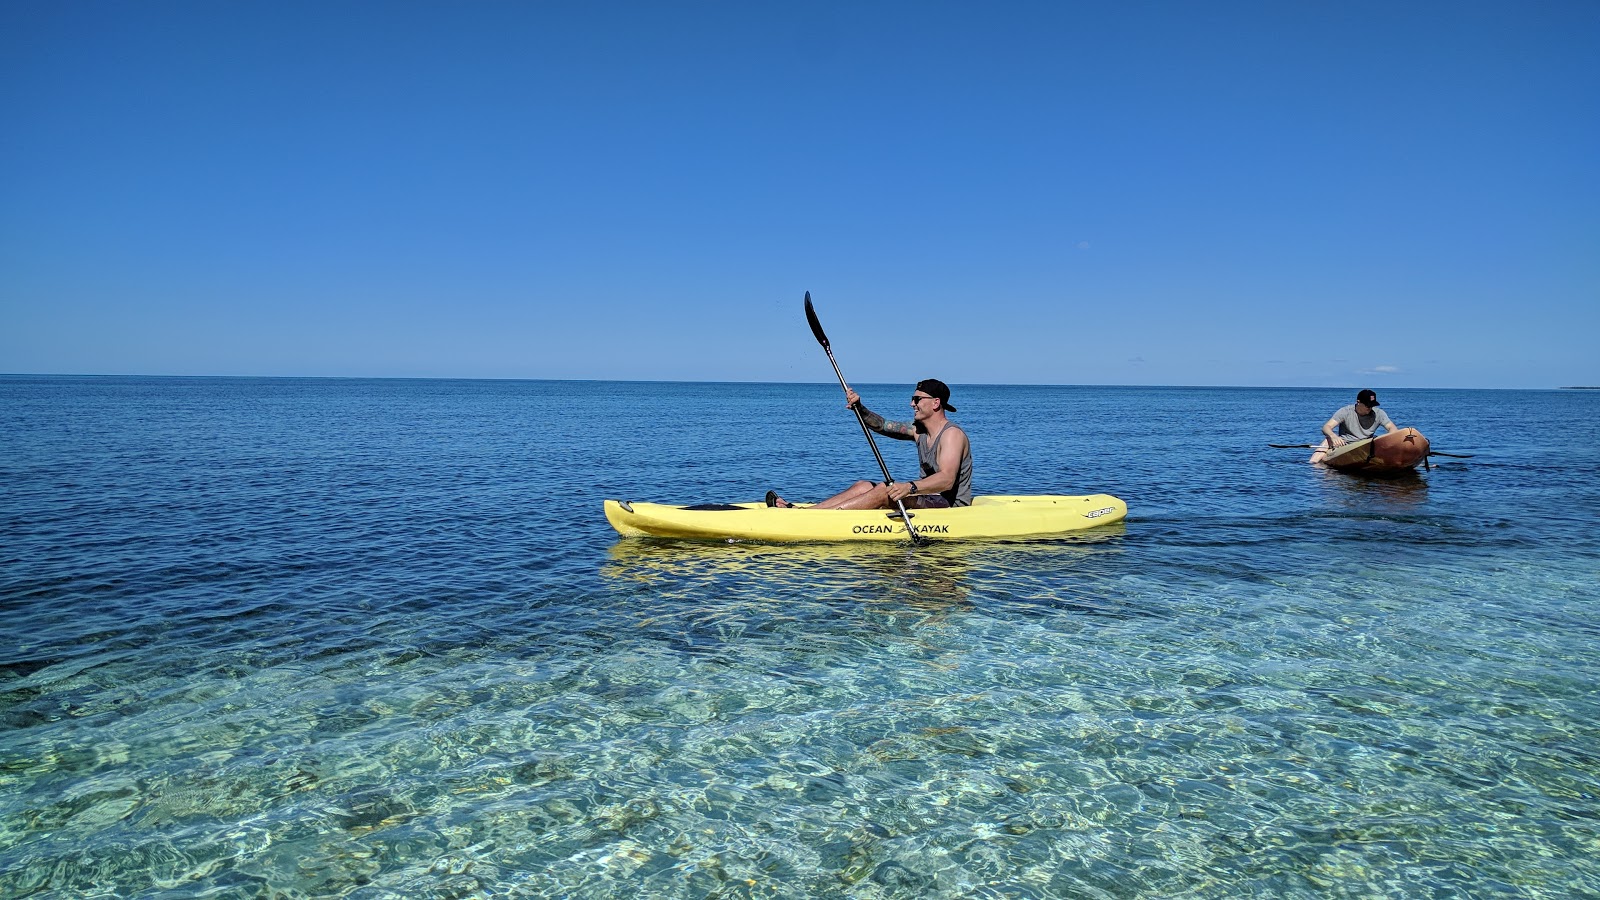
(482, 710)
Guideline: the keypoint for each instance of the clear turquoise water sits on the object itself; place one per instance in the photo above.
(344, 638)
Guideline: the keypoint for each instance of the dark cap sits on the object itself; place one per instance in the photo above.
(1367, 398)
(933, 387)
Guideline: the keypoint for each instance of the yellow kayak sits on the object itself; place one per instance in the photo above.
(988, 518)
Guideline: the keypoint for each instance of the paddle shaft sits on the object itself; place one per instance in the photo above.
(822, 338)
(1318, 446)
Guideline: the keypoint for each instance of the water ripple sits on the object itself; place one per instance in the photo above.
(372, 639)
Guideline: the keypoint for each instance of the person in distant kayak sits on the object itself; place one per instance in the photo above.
(1358, 421)
(942, 451)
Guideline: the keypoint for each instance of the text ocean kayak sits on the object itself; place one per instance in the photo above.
(988, 518)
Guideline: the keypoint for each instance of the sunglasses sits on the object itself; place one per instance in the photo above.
(918, 398)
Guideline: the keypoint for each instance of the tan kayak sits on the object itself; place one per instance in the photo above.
(1395, 451)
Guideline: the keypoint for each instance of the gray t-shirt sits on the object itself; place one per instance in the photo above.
(1353, 427)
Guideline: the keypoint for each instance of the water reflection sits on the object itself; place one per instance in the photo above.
(1405, 488)
(872, 572)
(752, 585)
(876, 572)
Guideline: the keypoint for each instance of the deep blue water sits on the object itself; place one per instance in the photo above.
(327, 638)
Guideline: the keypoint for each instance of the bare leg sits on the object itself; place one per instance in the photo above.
(861, 495)
(1319, 453)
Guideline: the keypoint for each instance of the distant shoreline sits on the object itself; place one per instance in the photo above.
(1580, 387)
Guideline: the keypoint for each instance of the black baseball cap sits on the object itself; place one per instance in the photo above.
(933, 387)
(1367, 398)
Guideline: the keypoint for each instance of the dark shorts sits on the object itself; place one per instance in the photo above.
(927, 501)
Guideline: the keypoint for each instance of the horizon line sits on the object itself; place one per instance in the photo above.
(13, 375)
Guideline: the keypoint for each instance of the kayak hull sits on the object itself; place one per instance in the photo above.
(1390, 453)
(1007, 517)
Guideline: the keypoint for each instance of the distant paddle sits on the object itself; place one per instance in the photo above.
(1316, 446)
(822, 338)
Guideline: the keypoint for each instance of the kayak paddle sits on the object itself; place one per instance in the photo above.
(1316, 446)
(822, 338)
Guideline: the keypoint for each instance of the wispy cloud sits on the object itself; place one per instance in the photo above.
(1381, 370)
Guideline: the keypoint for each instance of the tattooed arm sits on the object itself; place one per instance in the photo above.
(905, 431)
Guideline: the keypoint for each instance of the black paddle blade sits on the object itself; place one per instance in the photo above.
(816, 326)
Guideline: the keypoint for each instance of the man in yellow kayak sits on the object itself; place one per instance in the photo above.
(943, 453)
(1358, 421)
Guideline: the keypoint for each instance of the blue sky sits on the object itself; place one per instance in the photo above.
(1321, 194)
